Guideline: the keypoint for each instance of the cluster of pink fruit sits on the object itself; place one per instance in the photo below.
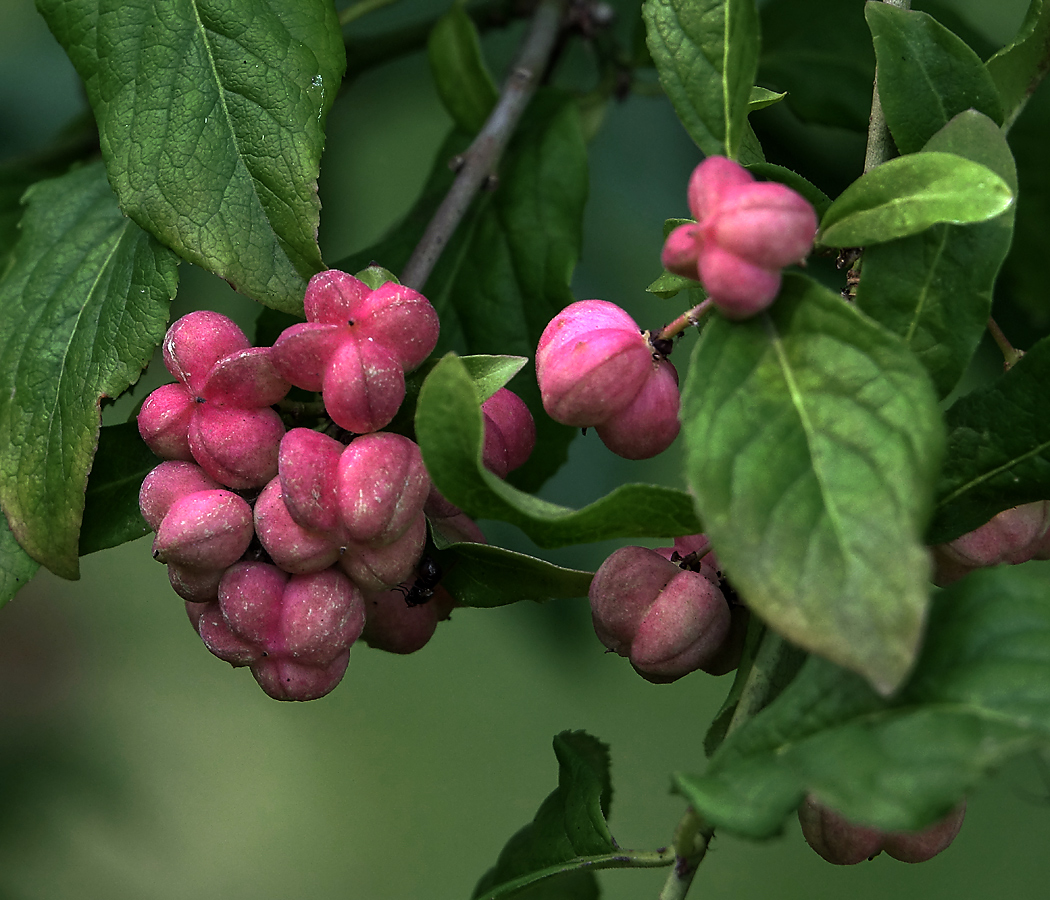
(1013, 536)
(289, 546)
(666, 610)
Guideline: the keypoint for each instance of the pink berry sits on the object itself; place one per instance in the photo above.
(394, 626)
(363, 385)
(196, 342)
(383, 485)
(767, 224)
(245, 379)
(291, 547)
(401, 318)
(164, 421)
(302, 352)
(237, 447)
(221, 640)
(308, 465)
(322, 614)
(680, 251)
(167, 483)
(649, 424)
(916, 847)
(839, 842)
(334, 297)
(710, 181)
(1011, 537)
(196, 585)
(381, 568)
(510, 432)
(204, 530)
(287, 679)
(740, 289)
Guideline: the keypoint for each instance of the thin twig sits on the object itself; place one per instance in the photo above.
(686, 319)
(879, 141)
(1011, 355)
(479, 161)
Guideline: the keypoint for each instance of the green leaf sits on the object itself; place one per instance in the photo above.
(812, 442)
(979, 696)
(927, 75)
(934, 289)
(82, 308)
(909, 194)
(998, 448)
(761, 97)
(462, 79)
(819, 51)
(16, 566)
(505, 272)
(706, 53)
(1019, 67)
(211, 120)
(453, 459)
(111, 511)
(376, 276)
(490, 373)
(569, 831)
(480, 575)
(770, 172)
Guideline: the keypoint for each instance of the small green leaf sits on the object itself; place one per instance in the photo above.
(998, 448)
(909, 194)
(819, 51)
(82, 308)
(490, 373)
(979, 696)
(1019, 67)
(812, 441)
(934, 289)
(480, 575)
(761, 97)
(376, 276)
(111, 511)
(569, 832)
(770, 172)
(16, 566)
(927, 75)
(211, 122)
(453, 459)
(462, 79)
(706, 53)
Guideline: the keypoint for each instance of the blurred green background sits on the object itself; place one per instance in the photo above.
(135, 765)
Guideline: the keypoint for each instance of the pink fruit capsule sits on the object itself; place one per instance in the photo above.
(363, 385)
(164, 421)
(381, 568)
(510, 432)
(308, 466)
(291, 547)
(237, 447)
(402, 319)
(196, 342)
(288, 679)
(168, 482)
(204, 530)
(649, 424)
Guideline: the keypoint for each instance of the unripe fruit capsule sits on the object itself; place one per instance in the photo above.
(204, 530)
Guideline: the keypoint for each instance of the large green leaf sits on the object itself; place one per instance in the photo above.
(453, 459)
(569, 832)
(706, 53)
(82, 308)
(462, 79)
(934, 289)
(1018, 68)
(812, 441)
(927, 75)
(909, 194)
(483, 576)
(211, 118)
(505, 273)
(998, 448)
(16, 566)
(819, 51)
(111, 510)
(979, 695)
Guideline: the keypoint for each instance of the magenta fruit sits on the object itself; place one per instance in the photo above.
(204, 530)
(394, 626)
(237, 447)
(164, 420)
(510, 432)
(649, 424)
(381, 568)
(308, 466)
(291, 547)
(1013, 536)
(363, 385)
(167, 483)
(196, 342)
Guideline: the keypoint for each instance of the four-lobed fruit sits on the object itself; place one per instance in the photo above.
(1013, 536)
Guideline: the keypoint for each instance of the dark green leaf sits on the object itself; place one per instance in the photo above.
(998, 448)
(82, 308)
(706, 52)
(16, 566)
(13, 183)
(934, 289)
(453, 459)
(211, 121)
(506, 271)
(483, 576)
(909, 194)
(462, 79)
(979, 695)
(376, 276)
(819, 51)
(770, 172)
(111, 511)
(569, 831)
(927, 75)
(761, 97)
(812, 442)
(490, 373)
(1018, 68)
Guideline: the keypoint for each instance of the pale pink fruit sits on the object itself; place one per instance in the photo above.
(1013, 536)
(164, 421)
(302, 352)
(649, 423)
(510, 432)
(710, 181)
(291, 547)
(381, 568)
(308, 465)
(204, 530)
(196, 342)
(245, 379)
(738, 288)
(167, 483)
(287, 679)
(394, 626)
(401, 318)
(237, 447)
(196, 585)
(363, 385)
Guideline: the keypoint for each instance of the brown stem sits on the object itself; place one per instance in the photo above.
(479, 161)
(685, 320)
(1011, 355)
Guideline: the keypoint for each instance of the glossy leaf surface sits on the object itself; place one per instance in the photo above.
(979, 695)
(812, 441)
(82, 308)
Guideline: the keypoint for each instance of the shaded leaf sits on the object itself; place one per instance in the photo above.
(812, 441)
(706, 53)
(909, 194)
(82, 308)
(927, 75)
(980, 695)
(490, 373)
(453, 459)
(934, 289)
(998, 448)
(1020, 66)
(111, 511)
(569, 831)
(211, 121)
(761, 97)
(770, 172)
(480, 575)
(16, 566)
(462, 79)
